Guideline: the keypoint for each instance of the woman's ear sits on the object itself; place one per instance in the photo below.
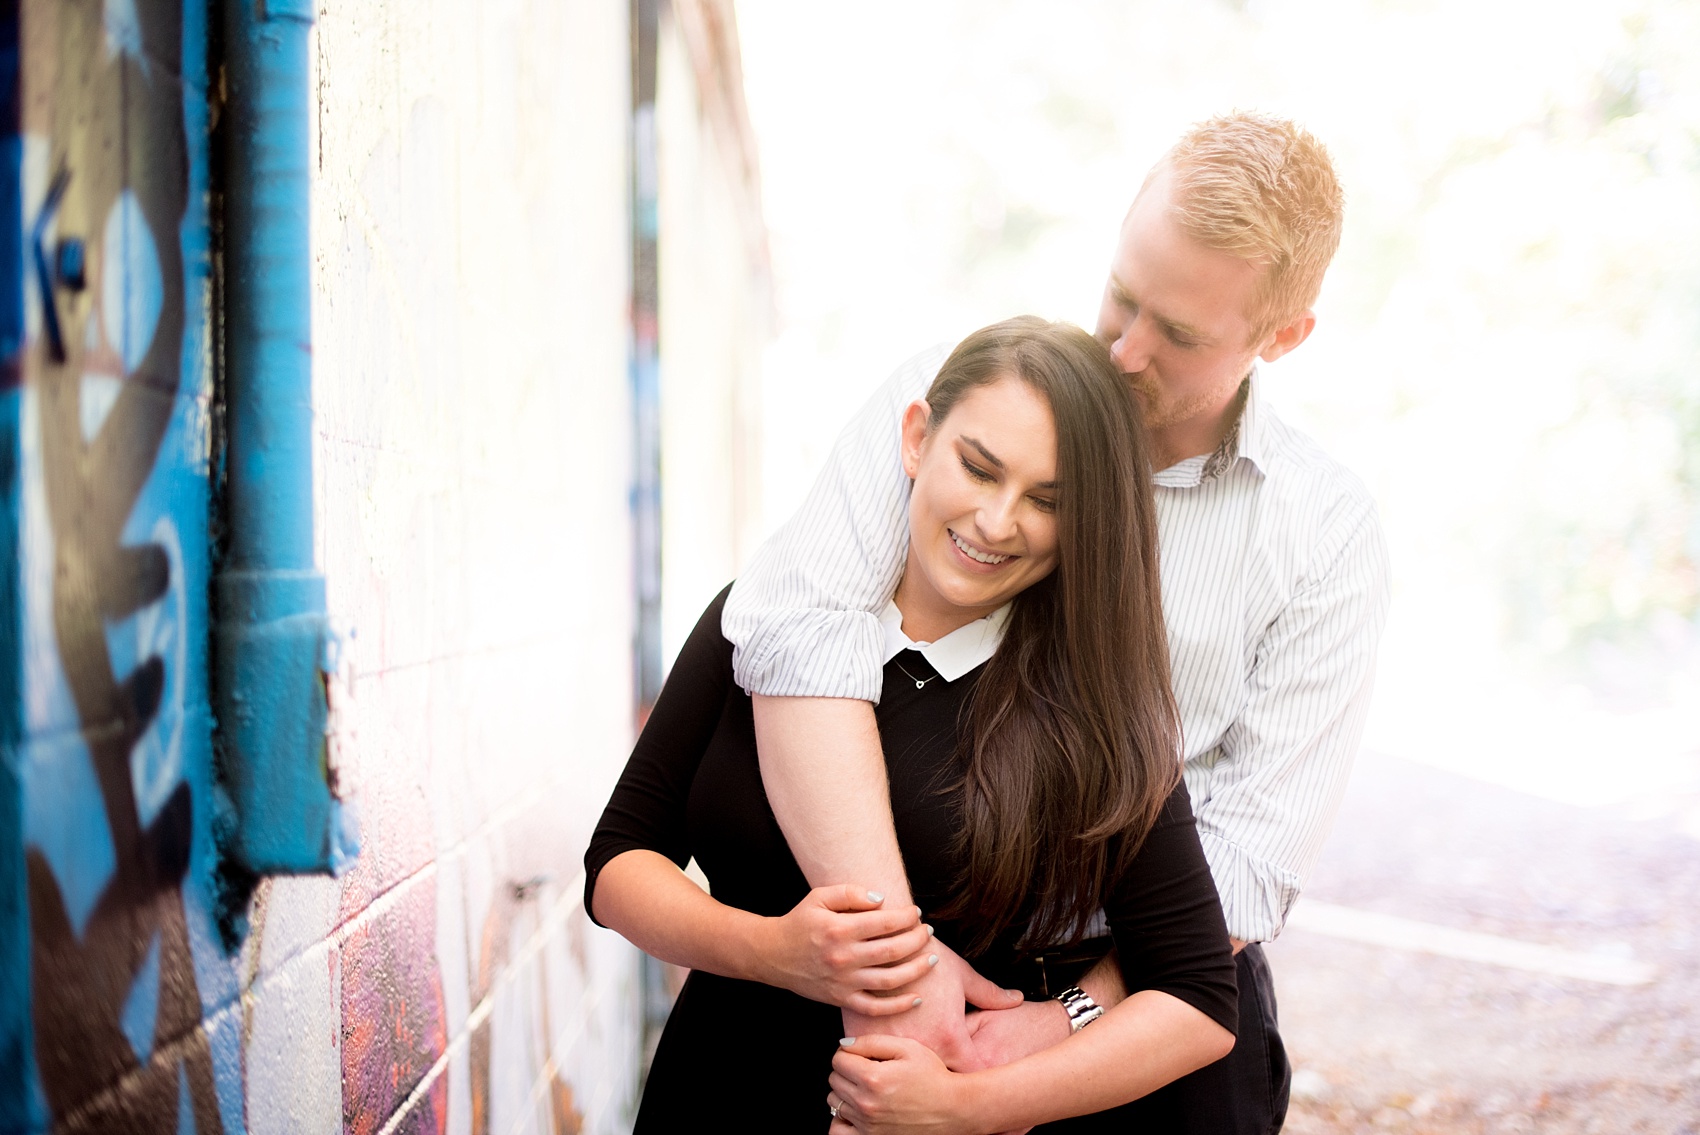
(914, 435)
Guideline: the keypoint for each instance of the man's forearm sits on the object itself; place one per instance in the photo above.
(1146, 1041)
(1103, 982)
(824, 773)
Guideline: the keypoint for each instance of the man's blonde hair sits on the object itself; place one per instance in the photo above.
(1263, 189)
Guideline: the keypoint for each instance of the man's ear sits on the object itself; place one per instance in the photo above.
(1289, 337)
(914, 434)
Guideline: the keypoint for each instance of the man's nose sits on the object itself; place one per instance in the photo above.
(1132, 348)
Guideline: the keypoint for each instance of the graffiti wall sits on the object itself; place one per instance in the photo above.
(474, 459)
(131, 996)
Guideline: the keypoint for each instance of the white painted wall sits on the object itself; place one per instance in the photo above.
(716, 318)
(472, 464)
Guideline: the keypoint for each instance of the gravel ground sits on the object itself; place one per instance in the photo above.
(1399, 1041)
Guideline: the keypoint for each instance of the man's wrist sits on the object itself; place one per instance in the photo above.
(1081, 1009)
(1103, 982)
(1057, 1020)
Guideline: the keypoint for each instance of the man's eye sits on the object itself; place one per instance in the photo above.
(974, 471)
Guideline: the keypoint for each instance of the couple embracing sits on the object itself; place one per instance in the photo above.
(1015, 742)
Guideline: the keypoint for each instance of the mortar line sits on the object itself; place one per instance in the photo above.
(481, 1012)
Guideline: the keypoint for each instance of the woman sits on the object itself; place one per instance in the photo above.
(1032, 752)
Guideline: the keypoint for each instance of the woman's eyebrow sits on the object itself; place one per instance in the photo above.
(984, 452)
(993, 459)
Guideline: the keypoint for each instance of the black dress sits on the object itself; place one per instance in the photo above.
(757, 1056)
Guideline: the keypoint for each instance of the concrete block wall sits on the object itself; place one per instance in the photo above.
(716, 311)
(473, 429)
(472, 461)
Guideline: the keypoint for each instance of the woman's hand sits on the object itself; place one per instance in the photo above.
(884, 1085)
(839, 946)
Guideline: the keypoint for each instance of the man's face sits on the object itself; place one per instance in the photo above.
(1174, 320)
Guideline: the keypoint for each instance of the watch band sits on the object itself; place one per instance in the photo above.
(1082, 1010)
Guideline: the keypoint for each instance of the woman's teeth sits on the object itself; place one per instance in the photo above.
(975, 554)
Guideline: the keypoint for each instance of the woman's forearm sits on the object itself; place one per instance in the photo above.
(838, 945)
(644, 896)
(1135, 1048)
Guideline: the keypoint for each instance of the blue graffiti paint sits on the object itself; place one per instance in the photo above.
(141, 1008)
(132, 298)
(123, 27)
(271, 628)
(21, 1107)
(65, 821)
(130, 829)
(185, 1105)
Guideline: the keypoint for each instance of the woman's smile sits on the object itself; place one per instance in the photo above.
(977, 556)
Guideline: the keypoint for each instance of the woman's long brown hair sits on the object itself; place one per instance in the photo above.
(1071, 741)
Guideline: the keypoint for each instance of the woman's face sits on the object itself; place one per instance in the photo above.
(982, 517)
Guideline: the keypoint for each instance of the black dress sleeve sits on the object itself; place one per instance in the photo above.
(647, 810)
(1167, 922)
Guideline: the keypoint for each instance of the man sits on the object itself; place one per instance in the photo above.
(1274, 595)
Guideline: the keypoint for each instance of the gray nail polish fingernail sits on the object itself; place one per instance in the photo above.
(932, 959)
(875, 896)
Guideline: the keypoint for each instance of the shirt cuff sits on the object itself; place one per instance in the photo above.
(1256, 894)
(814, 654)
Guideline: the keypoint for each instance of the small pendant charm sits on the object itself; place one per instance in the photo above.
(920, 685)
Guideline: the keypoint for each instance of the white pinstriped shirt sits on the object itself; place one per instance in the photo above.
(1275, 588)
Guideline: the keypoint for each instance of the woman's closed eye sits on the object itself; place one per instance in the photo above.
(974, 471)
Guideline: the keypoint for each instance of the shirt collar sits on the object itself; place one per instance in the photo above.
(1246, 441)
(957, 652)
(1252, 442)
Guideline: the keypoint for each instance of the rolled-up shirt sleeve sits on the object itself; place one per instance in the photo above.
(803, 617)
(1278, 775)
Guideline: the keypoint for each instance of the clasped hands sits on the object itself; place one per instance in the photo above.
(904, 996)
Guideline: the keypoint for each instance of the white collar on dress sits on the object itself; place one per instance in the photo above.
(957, 652)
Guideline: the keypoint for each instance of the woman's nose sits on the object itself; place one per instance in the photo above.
(997, 519)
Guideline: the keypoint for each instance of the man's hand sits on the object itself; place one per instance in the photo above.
(940, 1021)
(839, 946)
(1028, 1028)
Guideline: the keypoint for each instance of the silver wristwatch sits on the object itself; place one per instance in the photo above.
(1082, 1010)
